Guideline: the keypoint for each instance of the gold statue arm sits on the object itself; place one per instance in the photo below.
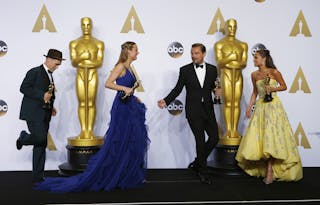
(75, 60)
(77, 57)
(244, 58)
(221, 60)
(241, 61)
(98, 62)
(231, 59)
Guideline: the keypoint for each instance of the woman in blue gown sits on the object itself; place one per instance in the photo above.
(121, 161)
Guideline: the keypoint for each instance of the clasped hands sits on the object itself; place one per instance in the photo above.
(46, 98)
(269, 89)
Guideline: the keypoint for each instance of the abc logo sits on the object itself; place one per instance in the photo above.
(3, 48)
(175, 49)
(175, 107)
(3, 107)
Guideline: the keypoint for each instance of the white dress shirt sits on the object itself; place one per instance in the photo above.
(201, 73)
(49, 75)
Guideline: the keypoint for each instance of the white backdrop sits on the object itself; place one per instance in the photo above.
(163, 22)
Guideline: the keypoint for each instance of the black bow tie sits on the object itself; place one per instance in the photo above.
(199, 65)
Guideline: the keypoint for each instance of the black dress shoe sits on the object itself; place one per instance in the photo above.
(204, 179)
(194, 167)
(18, 142)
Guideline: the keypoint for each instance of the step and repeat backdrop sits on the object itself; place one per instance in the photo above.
(164, 32)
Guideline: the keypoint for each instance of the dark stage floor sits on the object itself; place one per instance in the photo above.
(178, 186)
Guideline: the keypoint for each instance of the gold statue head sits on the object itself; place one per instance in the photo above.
(86, 25)
(231, 27)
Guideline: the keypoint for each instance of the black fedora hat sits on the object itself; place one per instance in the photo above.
(55, 54)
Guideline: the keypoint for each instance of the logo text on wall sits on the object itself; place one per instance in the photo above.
(175, 107)
(175, 49)
(3, 108)
(44, 22)
(3, 48)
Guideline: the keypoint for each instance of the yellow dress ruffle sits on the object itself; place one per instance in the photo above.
(269, 134)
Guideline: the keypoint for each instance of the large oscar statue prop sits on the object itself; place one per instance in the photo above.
(86, 54)
(231, 58)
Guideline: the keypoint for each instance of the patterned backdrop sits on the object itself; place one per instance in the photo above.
(164, 32)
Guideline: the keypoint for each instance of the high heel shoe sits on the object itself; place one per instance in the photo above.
(267, 181)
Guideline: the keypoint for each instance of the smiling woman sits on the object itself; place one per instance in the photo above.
(268, 148)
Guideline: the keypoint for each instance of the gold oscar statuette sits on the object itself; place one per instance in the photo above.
(47, 105)
(268, 96)
(231, 57)
(86, 54)
(217, 99)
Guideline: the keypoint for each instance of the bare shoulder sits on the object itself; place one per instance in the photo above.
(275, 72)
(254, 74)
(119, 68)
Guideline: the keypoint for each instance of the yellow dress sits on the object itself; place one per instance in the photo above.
(269, 134)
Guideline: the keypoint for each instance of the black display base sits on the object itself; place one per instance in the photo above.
(224, 162)
(77, 159)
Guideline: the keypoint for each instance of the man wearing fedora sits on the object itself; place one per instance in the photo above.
(37, 108)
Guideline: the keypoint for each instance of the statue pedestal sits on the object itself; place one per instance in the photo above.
(79, 152)
(224, 162)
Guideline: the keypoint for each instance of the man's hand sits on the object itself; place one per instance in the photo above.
(54, 111)
(218, 92)
(47, 96)
(162, 104)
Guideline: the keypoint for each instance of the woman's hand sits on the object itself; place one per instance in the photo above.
(128, 91)
(269, 89)
(218, 92)
(248, 112)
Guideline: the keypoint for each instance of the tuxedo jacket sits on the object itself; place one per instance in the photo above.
(33, 88)
(198, 99)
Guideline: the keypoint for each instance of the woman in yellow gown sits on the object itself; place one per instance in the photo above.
(268, 149)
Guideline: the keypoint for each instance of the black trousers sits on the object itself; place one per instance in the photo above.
(200, 125)
(37, 138)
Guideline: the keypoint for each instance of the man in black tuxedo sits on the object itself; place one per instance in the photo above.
(199, 79)
(36, 109)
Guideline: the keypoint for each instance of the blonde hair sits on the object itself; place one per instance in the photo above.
(124, 51)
